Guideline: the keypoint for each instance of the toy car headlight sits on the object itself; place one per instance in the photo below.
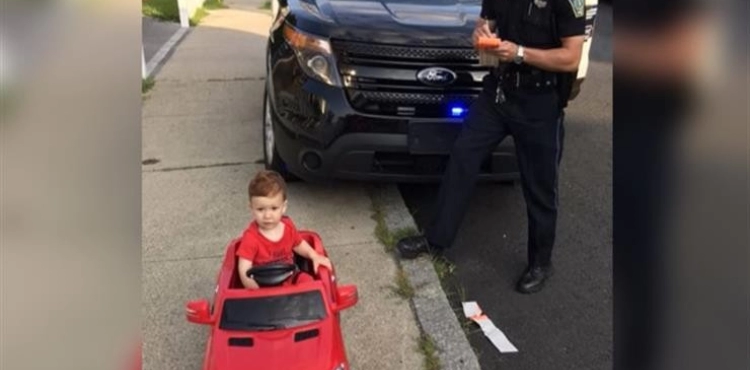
(314, 55)
(341, 366)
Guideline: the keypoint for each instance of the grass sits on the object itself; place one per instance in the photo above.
(443, 267)
(214, 4)
(167, 10)
(456, 293)
(266, 5)
(389, 239)
(385, 236)
(200, 13)
(429, 350)
(147, 84)
(381, 230)
(403, 287)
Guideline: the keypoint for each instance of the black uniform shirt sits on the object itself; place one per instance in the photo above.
(536, 23)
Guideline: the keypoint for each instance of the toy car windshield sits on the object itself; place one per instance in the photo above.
(274, 312)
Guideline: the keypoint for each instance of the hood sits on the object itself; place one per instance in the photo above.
(276, 349)
(411, 22)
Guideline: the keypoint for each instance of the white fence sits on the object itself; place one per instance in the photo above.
(187, 9)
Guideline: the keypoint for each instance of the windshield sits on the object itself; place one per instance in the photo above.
(270, 313)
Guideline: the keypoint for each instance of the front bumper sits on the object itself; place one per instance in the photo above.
(378, 157)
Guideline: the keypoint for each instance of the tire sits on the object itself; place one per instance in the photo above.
(271, 158)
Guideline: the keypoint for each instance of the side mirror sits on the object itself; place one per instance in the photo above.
(199, 312)
(347, 297)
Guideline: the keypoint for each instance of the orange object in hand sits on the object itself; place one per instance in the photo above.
(488, 42)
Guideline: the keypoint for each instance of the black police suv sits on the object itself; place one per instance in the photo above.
(372, 90)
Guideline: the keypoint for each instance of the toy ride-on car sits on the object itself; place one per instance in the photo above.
(292, 327)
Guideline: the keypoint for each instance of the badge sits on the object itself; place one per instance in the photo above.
(540, 3)
(577, 6)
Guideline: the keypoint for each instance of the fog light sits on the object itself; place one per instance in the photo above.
(311, 161)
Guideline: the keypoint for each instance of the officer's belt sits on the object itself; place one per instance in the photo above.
(528, 78)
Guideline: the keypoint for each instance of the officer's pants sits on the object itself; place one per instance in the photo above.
(538, 149)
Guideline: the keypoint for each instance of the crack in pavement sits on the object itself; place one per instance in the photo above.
(185, 168)
(184, 82)
(184, 259)
(261, 78)
(355, 244)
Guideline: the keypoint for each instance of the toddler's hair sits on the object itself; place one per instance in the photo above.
(266, 184)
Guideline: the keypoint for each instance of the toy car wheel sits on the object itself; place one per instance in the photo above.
(272, 274)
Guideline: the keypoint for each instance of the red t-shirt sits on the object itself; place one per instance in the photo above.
(257, 249)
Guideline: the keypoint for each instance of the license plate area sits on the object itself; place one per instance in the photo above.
(432, 137)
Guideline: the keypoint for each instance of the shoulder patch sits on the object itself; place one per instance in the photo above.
(578, 7)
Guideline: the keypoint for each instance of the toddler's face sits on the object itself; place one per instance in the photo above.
(267, 211)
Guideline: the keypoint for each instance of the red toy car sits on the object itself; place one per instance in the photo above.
(292, 327)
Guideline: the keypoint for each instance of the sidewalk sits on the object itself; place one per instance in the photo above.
(201, 130)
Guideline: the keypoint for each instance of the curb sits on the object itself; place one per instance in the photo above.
(434, 313)
(164, 50)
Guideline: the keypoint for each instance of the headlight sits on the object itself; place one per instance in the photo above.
(340, 367)
(314, 55)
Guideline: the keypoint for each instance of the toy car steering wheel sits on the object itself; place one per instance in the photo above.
(272, 274)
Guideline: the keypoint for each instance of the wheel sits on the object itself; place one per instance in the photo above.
(271, 157)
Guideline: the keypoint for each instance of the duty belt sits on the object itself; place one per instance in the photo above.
(525, 79)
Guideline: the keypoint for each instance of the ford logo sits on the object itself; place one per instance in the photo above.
(436, 76)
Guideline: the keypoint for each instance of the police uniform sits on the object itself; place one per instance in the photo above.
(522, 101)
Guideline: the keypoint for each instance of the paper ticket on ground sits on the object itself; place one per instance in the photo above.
(495, 335)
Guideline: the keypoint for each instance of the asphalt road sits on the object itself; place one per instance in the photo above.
(569, 324)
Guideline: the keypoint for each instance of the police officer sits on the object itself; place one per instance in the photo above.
(524, 96)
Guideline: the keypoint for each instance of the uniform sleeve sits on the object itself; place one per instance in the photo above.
(248, 248)
(488, 11)
(296, 237)
(571, 17)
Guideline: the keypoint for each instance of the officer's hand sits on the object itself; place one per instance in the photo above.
(506, 51)
(481, 30)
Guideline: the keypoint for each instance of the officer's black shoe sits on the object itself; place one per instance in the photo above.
(533, 279)
(412, 246)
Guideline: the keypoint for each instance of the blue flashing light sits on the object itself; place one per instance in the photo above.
(457, 111)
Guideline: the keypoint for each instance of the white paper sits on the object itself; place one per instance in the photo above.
(495, 335)
(471, 309)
